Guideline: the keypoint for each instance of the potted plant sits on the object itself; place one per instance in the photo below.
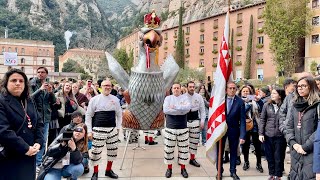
(238, 63)
(259, 46)
(239, 48)
(239, 34)
(214, 64)
(260, 30)
(259, 61)
(215, 38)
(201, 41)
(201, 53)
(215, 51)
(187, 44)
(239, 21)
(202, 30)
(215, 27)
(165, 48)
(201, 65)
(187, 55)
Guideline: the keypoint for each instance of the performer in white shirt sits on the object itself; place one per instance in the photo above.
(194, 124)
(176, 107)
(104, 118)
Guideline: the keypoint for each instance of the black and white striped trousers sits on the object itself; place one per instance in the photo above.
(194, 136)
(101, 136)
(173, 137)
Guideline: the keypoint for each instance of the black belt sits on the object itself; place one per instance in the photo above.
(192, 115)
(190, 120)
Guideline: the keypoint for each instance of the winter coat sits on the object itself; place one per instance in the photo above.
(316, 153)
(269, 121)
(42, 99)
(301, 165)
(17, 142)
(283, 112)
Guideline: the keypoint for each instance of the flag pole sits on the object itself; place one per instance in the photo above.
(220, 141)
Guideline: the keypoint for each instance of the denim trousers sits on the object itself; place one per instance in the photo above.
(43, 147)
(204, 132)
(72, 171)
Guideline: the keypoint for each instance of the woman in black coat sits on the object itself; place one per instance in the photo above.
(301, 127)
(21, 129)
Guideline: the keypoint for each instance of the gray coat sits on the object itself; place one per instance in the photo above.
(269, 121)
(283, 112)
(301, 165)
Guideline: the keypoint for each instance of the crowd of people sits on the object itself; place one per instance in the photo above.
(48, 127)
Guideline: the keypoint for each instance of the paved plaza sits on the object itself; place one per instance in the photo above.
(148, 164)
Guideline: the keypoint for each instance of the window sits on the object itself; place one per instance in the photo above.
(316, 20)
(239, 42)
(215, 60)
(260, 73)
(22, 51)
(215, 47)
(9, 49)
(202, 37)
(22, 69)
(175, 32)
(238, 57)
(202, 49)
(215, 22)
(187, 51)
(188, 29)
(239, 29)
(260, 55)
(43, 61)
(260, 25)
(315, 3)
(201, 62)
(238, 75)
(175, 42)
(315, 39)
(260, 40)
(260, 11)
(3, 49)
(39, 52)
(48, 53)
(239, 17)
(166, 35)
(187, 40)
(202, 26)
(215, 34)
(23, 60)
(16, 50)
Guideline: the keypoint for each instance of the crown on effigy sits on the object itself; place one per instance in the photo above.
(151, 20)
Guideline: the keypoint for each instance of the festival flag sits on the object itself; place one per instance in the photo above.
(217, 126)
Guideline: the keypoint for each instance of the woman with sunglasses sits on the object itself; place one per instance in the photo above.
(64, 156)
(301, 127)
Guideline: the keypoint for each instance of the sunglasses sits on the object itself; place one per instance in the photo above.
(78, 129)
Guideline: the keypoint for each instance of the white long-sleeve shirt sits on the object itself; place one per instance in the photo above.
(197, 104)
(103, 103)
(176, 105)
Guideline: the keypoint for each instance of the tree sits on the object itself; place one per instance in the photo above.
(180, 42)
(189, 74)
(73, 66)
(286, 22)
(247, 68)
(122, 57)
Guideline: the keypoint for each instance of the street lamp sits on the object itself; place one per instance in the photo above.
(318, 69)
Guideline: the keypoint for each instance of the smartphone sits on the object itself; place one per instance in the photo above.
(251, 97)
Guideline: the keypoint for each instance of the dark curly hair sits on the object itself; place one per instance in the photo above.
(4, 83)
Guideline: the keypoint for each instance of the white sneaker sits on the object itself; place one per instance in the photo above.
(37, 169)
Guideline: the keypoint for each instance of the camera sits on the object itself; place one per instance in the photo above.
(68, 133)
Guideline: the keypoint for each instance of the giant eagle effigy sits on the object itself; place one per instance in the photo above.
(148, 82)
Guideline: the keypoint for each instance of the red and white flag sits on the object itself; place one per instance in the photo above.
(217, 126)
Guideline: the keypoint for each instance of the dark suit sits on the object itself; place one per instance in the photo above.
(17, 165)
(236, 122)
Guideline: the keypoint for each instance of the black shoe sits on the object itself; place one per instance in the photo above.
(246, 166)
(94, 176)
(184, 173)
(158, 133)
(153, 143)
(86, 170)
(168, 173)
(194, 163)
(259, 168)
(111, 174)
(146, 142)
(238, 161)
(234, 176)
(217, 177)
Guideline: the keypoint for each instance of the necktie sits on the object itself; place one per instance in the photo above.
(229, 104)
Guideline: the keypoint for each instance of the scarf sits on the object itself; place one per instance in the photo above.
(301, 104)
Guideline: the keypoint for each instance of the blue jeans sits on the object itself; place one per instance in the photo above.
(72, 171)
(204, 132)
(43, 146)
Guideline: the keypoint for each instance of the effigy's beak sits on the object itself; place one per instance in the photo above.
(152, 39)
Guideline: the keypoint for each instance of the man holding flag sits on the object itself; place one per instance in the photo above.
(225, 120)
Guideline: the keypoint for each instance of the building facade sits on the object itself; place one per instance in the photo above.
(89, 59)
(202, 41)
(312, 43)
(130, 43)
(31, 55)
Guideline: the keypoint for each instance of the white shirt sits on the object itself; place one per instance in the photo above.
(176, 105)
(197, 104)
(103, 103)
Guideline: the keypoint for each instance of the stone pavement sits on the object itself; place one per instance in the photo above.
(147, 164)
